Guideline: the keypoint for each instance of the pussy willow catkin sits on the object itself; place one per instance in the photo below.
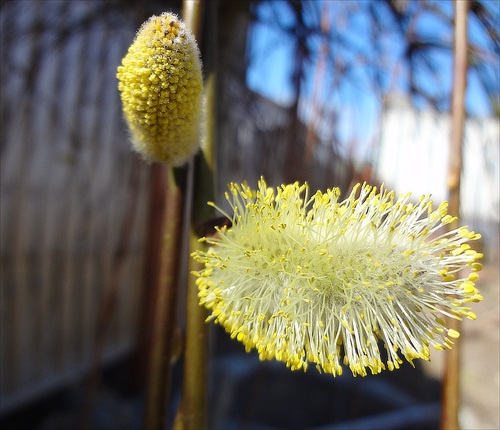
(160, 83)
(313, 279)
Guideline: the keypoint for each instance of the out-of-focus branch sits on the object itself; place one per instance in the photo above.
(164, 299)
(451, 383)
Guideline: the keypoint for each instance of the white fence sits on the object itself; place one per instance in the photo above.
(413, 155)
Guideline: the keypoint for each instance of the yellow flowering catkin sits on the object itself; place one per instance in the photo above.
(315, 279)
(160, 82)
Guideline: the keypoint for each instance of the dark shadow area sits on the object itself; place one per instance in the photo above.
(248, 394)
(116, 404)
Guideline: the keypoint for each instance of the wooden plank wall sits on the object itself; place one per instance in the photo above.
(73, 195)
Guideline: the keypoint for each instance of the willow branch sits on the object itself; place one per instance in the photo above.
(451, 382)
(192, 413)
(164, 302)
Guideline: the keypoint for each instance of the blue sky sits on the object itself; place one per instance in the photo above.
(270, 50)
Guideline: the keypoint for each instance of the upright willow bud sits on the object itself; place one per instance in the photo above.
(161, 85)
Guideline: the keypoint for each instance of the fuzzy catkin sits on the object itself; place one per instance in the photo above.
(161, 84)
(313, 279)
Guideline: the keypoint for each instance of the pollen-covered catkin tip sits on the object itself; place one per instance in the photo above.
(160, 83)
(315, 279)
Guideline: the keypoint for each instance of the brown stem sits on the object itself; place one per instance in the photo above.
(164, 304)
(192, 413)
(451, 382)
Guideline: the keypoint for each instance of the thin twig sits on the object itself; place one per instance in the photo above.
(451, 382)
(165, 300)
(192, 413)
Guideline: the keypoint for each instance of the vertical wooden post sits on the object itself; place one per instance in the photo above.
(164, 300)
(451, 382)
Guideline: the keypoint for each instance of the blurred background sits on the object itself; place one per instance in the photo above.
(332, 92)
